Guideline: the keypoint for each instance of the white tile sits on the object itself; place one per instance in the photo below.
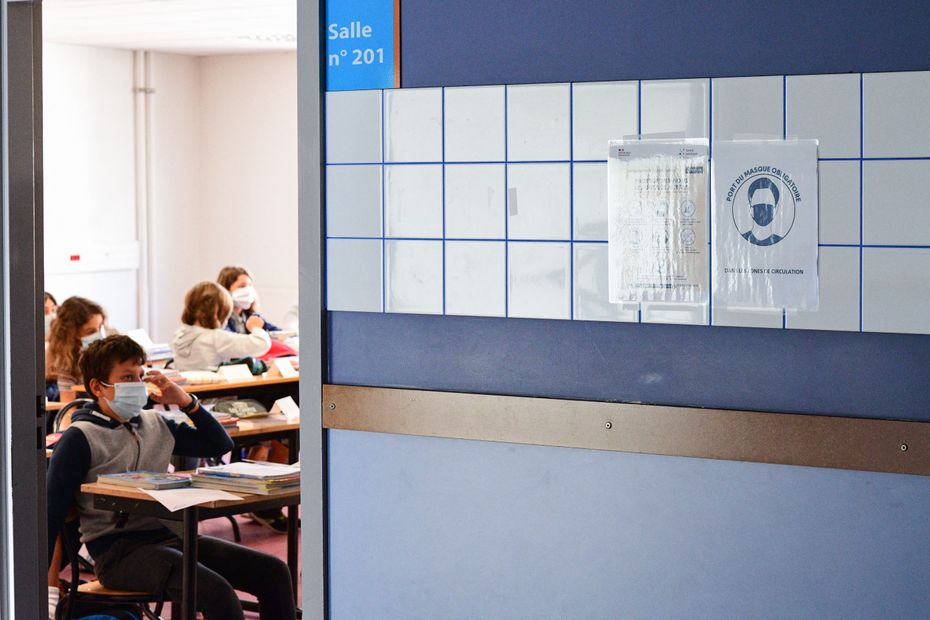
(838, 271)
(839, 202)
(675, 106)
(602, 111)
(748, 107)
(591, 287)
(353, 275)
(682, 314)
(896, 114)
(589, 204)
(538, 280)
(730, 317)
(353, 201)
(895, 203)
(475, 201)
(353, 126)
(896, 290)
(538, 201)
(825, 107)
(538, 122)
(413, 200)
(474, 123)
(413, 276)
(475, 279)
(413, 125)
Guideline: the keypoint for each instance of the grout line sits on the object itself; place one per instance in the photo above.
(861, 153)
(571, 201)
(639, 136)
(784, 107)
(569, 161)
(383, 222)
(868, 246)
(443, 173)
(710, 202)
(506, 207)
(784, 132)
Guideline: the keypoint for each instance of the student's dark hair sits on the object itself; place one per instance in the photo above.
(64, 343)
(206, 304)
(49, 297)
(98, 360)
(229, 275)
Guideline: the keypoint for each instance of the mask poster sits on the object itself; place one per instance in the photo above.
(657, 220)
(765, 224)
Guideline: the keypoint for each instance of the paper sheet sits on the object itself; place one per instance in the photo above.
(765, 224)
(657, 217)
(177, 499)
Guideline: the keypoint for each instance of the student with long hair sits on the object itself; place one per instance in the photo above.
(238, 281)
(78, 322)
(202, 343)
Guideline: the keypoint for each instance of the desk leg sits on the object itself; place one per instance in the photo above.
(292, 546)
(293, 452)
(189, 574)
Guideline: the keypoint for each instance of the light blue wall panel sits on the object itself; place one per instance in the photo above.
(437, 528)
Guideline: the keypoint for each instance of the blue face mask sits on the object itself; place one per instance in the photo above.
(100, 334)
(129, 399)
(763, 214)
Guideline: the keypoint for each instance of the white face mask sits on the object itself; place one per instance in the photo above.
(48, 322)
(100, 334)
(129, 399)
(244, 297)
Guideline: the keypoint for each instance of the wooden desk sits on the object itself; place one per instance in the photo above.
(219, 389)
(136, 501)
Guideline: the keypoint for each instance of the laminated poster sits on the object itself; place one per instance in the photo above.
(765, 224)
(657, 219)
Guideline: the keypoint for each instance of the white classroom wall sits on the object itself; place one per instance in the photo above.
(89, 175)
(249, 172)
(223, 186)
(176, 220)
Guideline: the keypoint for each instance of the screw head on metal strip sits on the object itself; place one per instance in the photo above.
(903, 447)
(609, 425)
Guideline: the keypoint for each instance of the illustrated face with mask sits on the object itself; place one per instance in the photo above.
(762, 205)
(92, 331)
(125, 395)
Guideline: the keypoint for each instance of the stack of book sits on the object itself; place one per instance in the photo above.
(258, 478)
(146, 480)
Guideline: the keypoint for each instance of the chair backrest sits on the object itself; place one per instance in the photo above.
(71, 546)
(65, 412)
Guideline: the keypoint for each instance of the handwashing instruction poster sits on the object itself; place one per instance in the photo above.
(765, 224)
(657, 220)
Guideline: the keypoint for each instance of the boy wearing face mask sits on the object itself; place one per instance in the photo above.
(115, 434)
(238, 281)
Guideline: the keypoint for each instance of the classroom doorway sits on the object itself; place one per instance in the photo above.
(145, 145)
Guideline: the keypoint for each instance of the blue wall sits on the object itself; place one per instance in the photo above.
(441, 528)
(434, 528)
(495, 42)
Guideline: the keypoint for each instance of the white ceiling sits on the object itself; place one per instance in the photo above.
(197, 27)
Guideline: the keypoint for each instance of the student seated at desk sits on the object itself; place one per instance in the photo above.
(78, 322)
(50, 308)
(238, 281)
(133, 552)
(202, 343)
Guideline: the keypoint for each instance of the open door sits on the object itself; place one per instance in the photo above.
(22, 431)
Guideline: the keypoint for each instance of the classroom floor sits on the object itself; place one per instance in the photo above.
(254, 536)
